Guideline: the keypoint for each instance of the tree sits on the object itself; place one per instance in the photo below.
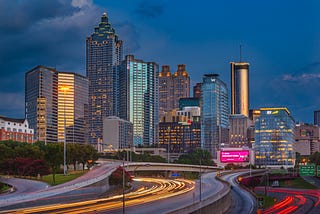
(315, 158)
(195, 157)
(54, 158)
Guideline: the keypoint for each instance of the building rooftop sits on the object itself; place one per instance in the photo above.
(12, 119)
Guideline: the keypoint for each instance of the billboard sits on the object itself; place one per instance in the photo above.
(234, 156)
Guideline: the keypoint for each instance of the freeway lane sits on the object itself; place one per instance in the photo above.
(160, 190)
(243, 201)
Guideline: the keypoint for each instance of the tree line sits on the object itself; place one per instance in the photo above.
(25, 159)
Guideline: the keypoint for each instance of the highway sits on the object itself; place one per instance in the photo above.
(161, 189)
(243, 201)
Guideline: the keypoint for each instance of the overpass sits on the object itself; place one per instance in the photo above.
(149, 166)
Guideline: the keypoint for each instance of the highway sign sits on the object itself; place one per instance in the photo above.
(308, 170)
(318, 171)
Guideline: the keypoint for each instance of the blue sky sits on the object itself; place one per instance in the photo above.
(280, 40)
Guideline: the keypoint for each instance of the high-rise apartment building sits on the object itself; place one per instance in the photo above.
(172, 87)
(214, 113)
(240, 88)
(274, 144)
(103, 54)
(54, 101)
(139, 97)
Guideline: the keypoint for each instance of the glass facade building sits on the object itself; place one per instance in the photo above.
(274, 144)
(41, 102)
(103, 54)
(214, 113)
(240, 88)
(47, 105)
(72, 104)
(138, 98)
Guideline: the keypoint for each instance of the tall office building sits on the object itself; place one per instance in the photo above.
(240, 88)
(181, 85)
(139, 99)
(72, 104)
(165, 91)
(41, 102)
(214, 113)
(52, 98)
(172, 87)
(103, 54)
(274, 144)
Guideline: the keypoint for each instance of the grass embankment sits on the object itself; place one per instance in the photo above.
(298, 183)
(61, 178)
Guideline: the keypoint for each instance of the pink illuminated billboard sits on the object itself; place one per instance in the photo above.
(234, 156)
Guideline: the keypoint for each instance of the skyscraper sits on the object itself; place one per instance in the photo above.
(41, 102)
(139, 98)
(165, 91)
(103, 54)
(47, 105)
(172, 87)
(240, 88)
(72, 104)
(181, 85)
(274, 138)
(214, 113)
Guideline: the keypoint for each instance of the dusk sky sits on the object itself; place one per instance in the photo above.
(280, 40)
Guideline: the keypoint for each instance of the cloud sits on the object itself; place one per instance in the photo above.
(308, 73)
(37, 32)
(150, 9)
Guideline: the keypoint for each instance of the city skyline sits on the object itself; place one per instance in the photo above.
(279, 41)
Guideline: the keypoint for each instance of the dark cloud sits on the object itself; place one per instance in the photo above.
(37, 32)
(150, 9)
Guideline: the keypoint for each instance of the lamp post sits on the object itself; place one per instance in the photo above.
(64, 89)
(169, 144)
(123, 188)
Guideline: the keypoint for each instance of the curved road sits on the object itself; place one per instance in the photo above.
(243, 201)
(160, 189)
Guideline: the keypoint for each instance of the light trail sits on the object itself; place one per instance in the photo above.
(161, 189)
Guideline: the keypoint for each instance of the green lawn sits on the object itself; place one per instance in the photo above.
(298, 183)
(60, 178)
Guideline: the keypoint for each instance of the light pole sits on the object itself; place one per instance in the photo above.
(123, 188)
(64, 89)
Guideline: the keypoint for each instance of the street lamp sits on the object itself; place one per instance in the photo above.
(64, 89)
(169, 130)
